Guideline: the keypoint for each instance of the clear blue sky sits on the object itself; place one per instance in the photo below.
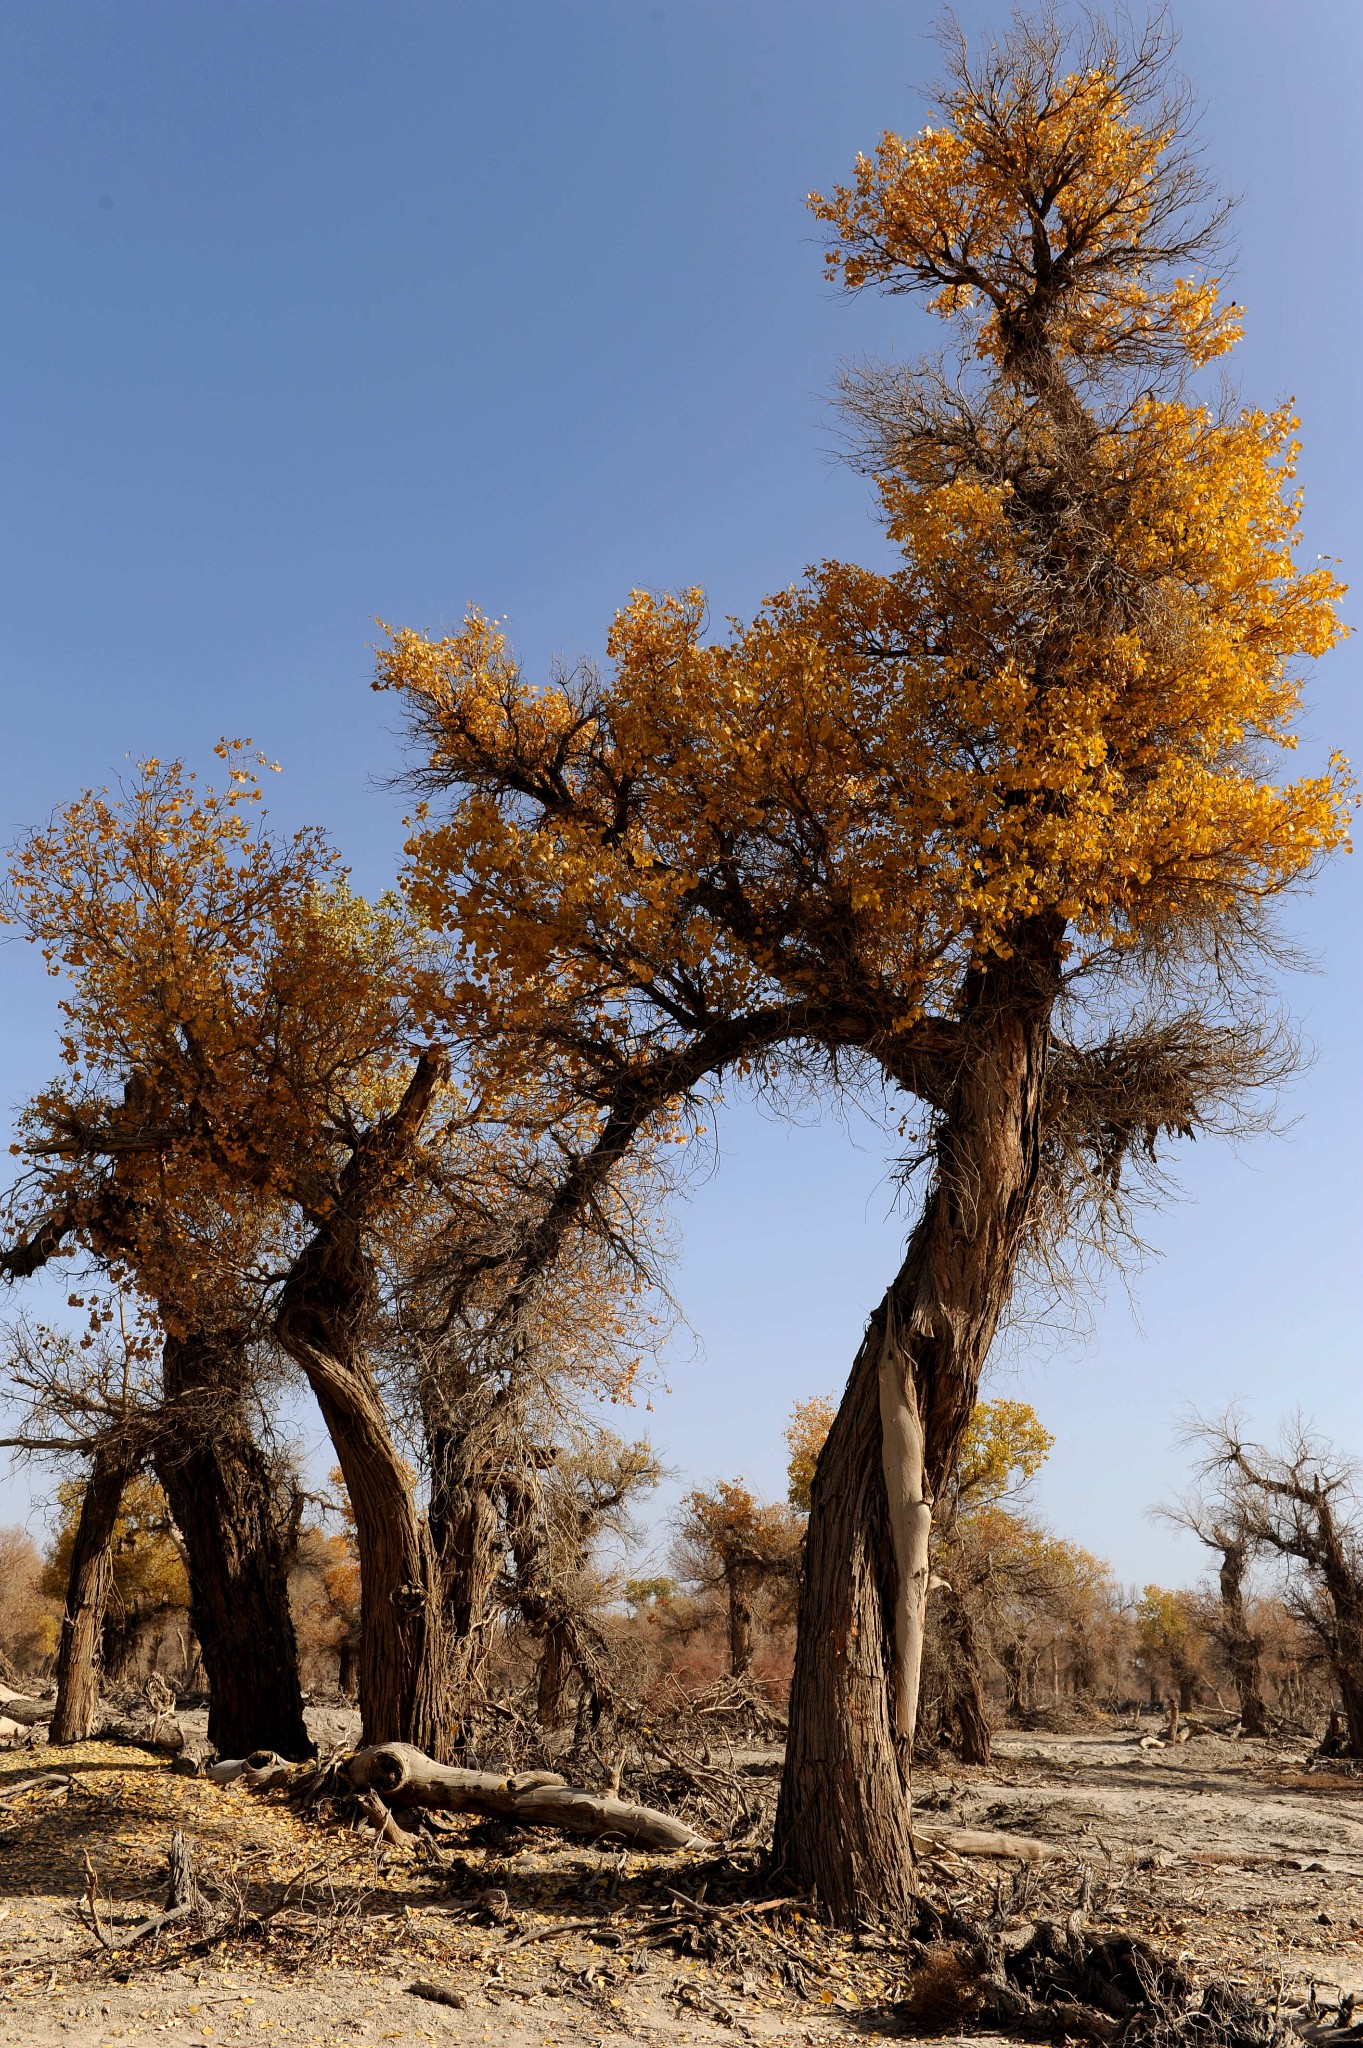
(314, 313)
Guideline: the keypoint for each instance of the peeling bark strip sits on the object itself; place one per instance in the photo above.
(910, 1510)
(534, 1799)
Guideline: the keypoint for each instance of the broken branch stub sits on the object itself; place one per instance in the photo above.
(534, 1799)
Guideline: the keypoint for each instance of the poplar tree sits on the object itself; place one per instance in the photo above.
(1004, 825)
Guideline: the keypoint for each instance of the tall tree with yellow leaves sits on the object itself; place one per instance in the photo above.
(1004, 823)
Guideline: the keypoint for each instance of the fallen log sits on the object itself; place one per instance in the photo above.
(404, 1776)
(28, 1712)
(262, 1770)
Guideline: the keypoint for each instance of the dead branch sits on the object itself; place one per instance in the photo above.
(45, 1781)
(407, 1777)
(183, 1897)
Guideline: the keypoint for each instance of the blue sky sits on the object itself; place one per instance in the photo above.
(321, 313)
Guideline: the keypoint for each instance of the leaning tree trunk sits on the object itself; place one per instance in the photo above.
(87, 1589)
(843, 1820)
(239, 1529)
(404, 1674)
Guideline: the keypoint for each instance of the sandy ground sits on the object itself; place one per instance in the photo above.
(1231, 1855)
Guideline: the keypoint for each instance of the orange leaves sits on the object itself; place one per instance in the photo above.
(1043, 213)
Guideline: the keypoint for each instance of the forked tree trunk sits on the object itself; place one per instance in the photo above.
(79, 1659)
(322, 1320)
(239, 1529)
(1242, 1645)
(1337, 1567)
(843, 1820)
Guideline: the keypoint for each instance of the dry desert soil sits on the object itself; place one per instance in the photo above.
(1244, 1859)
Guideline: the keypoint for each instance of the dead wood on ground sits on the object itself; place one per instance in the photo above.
(406, 1777)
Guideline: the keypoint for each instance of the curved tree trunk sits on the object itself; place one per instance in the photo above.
(79, 1658)
(404, 1673)
(322, 1321)
(843, 1821)
(239, 1530)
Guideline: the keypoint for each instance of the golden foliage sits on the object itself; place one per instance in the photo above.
(727, 1533)
(1067, 705)
(805, 1434)
(148, 1564)
(1005, 1445)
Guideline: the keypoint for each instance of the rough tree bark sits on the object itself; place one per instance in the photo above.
(79, 1658)
(843, 1821)
(239, 1529)
(465, 1529)
(555, 1669)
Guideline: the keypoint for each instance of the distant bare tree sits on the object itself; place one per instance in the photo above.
(1220, 1525)
(1300, 1503)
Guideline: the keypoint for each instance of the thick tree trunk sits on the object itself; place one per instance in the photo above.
(87, 1588)
(843, 1820)
(740, 1627)
(404, 1674)
(239, 1529)
(1242, 1645)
